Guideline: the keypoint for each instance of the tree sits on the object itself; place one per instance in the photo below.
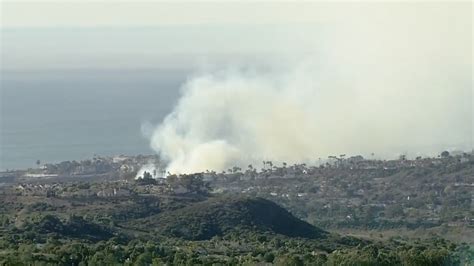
(194, 183)
(236, 169)
(289, 260)
(147, 179)
(144, 259)
(269, 257)
(147, 175)
(445, 154)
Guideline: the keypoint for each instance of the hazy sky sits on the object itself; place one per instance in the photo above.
(388, 77)
(108, 13)
(125, 34)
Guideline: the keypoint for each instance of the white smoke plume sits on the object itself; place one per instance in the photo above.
(150, 168)
(238, 117)
(380, 86)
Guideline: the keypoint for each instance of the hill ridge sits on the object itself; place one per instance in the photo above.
(222, 215)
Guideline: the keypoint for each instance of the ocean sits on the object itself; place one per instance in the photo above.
(58, 115)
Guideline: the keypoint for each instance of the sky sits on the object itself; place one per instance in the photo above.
(104, 34)
(400, 71)
(129, 14)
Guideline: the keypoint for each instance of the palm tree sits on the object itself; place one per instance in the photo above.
(271, 165)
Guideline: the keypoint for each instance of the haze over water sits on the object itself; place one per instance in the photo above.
(56, 115)
(354, 78)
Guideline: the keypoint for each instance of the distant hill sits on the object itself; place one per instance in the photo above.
(218, 216)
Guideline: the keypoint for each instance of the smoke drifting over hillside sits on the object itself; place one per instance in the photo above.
(385, 87)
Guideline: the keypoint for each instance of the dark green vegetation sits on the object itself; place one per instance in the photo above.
(192, 230)
(349, 213)
(421, 197)
(215, 217)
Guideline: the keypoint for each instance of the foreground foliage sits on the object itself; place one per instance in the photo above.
(215, 231)
(147, 222)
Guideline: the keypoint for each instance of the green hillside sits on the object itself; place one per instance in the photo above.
(218, 216)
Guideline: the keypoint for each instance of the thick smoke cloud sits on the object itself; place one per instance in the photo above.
(380, 86)
(240, 117)
(237, 117)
